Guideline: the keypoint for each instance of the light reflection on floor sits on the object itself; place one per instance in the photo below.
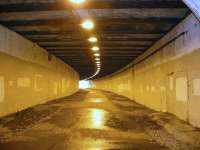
(94, 119)
(95, 148)
(96, 100)
(98, 118)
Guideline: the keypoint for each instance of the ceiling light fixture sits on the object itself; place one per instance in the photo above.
(97, 54)
(87, 24)
(77, 1)
(95, 48)
(97, 59)
(93, 39)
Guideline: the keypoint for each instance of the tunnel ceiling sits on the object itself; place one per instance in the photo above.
(125, 28)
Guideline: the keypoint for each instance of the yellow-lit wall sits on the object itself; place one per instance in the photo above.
(167, 81)
(28, 76)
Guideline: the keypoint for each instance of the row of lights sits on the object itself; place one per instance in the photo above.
(89, 25)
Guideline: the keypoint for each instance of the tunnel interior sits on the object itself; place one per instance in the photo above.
(99, 74)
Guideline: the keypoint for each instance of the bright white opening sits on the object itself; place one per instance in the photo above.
(84, 84)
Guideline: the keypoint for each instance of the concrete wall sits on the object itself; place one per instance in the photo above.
(28, 76)
(168, 80)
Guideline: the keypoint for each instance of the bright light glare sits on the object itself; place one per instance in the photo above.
(77, 1)
(92, 39)
(98, 117)
(88, 24)
(84, 84)
(97, 54)
(97, 59)
(95, 48)
(96, 100)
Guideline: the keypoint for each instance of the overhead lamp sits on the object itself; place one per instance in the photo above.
(97, 59)
(97, 62)
(87, 24)
(97, 54)
(77, 1)
(95, 48)
(92, 39)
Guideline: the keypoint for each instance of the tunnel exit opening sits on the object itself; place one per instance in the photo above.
(85, 84)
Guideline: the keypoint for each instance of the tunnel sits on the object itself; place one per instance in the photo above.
(99, 75)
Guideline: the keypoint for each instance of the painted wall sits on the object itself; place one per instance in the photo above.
(168, 80)
(28, 76)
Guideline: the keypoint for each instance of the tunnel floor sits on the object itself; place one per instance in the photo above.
(95, 120)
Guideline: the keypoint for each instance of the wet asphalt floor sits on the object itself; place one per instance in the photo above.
(95, 120)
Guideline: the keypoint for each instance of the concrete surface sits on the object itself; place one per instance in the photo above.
(168, 80)
(95, 120)
(29, 76)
